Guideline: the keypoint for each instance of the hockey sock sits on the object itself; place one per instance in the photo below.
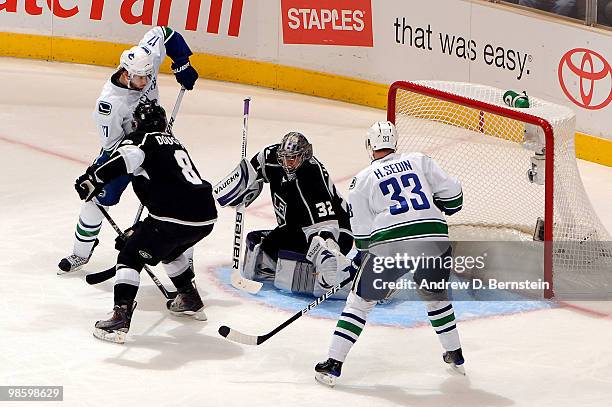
(180, 273)
(349, 326)
(126, 285)
(87, 230)
(442, 318)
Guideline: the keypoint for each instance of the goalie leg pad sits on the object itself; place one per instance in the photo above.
(257, 264)
(294, 273)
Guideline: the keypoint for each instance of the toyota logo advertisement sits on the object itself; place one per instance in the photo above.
(585, 77)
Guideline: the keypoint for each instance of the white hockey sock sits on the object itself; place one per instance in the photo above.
(349, 326)
(442, 318)
(88, 228)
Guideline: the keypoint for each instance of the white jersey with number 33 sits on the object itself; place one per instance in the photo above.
(402, 197)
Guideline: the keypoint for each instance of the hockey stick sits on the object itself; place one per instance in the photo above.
(168, 294)
(97, 278)
(237, 336)
(238, 281)
(175, 110)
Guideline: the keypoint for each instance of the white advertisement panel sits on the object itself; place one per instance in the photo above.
(376, 40)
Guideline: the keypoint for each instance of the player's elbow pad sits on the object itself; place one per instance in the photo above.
(446, 209)
(176, 48)
(113, 168)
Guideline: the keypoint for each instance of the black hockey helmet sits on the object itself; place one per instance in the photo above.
(293, 151)
(150, 117)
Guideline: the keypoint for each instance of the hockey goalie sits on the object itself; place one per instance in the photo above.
(312, 218)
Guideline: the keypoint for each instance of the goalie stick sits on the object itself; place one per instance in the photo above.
(237, 336)
(168, 294)
(97, 278)
(237, 280)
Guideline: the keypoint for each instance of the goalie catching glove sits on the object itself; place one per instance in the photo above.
(240, 187)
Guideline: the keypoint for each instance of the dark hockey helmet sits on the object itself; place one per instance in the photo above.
(293, 151)
(150, 117)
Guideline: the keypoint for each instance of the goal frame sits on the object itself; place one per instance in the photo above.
(510, 114)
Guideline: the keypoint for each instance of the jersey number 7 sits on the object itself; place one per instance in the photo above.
(392, 186)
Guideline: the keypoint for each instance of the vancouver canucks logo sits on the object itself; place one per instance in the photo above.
(105, 108)
(353, 182)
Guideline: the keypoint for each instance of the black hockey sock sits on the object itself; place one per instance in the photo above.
(125, 294)
(182, 282)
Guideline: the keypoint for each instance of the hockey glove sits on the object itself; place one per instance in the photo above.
(122, 239)
(87, 185)
(185, 74)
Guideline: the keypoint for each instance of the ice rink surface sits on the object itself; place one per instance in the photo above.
(556, 356)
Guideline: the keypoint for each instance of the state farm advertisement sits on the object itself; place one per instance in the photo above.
(327, 22)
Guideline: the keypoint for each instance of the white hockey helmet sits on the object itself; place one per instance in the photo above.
(137, 61)
(382, 135)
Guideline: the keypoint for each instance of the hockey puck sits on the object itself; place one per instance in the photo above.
(224, 331)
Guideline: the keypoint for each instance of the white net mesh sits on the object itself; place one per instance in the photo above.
(486, 152)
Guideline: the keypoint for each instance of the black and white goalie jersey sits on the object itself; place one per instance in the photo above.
(309, 202)
(164, 178)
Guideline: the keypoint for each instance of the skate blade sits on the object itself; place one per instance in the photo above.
(198, 315)
(61, 272)
(457, 369)
(114, 336)
(326, 379)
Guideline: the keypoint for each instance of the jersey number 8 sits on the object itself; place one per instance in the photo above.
(185, 163)
(392, 186)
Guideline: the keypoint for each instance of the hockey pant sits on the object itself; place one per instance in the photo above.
(152, 242)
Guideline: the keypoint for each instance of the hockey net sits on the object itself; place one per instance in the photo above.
(490, 147)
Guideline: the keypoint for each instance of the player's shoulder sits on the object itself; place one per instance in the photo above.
(112, 100)
(135, 138)
(268, 153)
(361, 178)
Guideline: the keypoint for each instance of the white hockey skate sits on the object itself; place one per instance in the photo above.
(73, 262)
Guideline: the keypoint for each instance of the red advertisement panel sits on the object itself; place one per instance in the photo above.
(327, 22)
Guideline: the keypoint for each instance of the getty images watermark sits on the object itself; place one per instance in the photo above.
(468, 266)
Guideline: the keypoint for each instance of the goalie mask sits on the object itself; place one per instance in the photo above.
(381, 136)
(293, 151)
(137, 61)
(149, 117)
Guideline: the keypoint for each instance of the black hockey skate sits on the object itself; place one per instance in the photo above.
(115, 328)
(74, 262)
(327, 372)
(455, 359)
(188, 303)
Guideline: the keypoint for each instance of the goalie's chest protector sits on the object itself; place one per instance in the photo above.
(294, 200)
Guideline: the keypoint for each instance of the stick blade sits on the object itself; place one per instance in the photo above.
(99, 277)
(250, 286)
(236, 336)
